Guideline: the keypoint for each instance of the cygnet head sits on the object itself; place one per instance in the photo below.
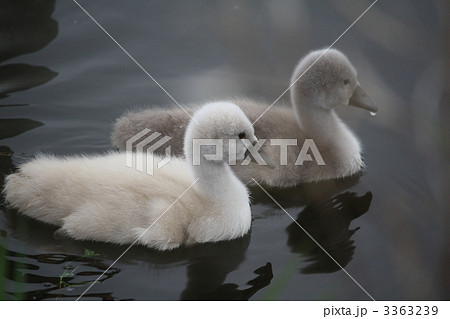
(326, 78)
(220, 122)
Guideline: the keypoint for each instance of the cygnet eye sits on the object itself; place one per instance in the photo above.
(346, 81)
(242, 135)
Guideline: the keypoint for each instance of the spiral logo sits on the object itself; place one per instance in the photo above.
(140, 148)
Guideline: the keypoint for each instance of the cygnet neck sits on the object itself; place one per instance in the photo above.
(330, 134)
(318, 122)
(216, 180)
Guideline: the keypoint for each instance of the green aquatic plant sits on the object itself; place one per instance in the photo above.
(89, 253)
(67, 273)
(69, 270)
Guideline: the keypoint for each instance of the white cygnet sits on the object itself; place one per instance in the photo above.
(100, 198)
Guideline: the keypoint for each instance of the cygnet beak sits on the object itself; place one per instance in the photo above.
(362, 100)
(266, 158)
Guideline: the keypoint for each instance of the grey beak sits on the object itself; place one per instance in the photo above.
(362, 100)
(266, 158)
(269, 161)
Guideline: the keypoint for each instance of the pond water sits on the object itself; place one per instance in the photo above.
(63, 82)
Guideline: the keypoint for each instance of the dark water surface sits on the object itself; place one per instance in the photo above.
(63, 82)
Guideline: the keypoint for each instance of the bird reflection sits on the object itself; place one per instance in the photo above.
(207, 267)
(304, 193)
(328, 223)
(206, 278)
(227, 291)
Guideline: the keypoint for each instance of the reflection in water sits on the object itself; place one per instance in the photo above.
(6, 163)
(406, 145)
(328, 223)
(305, 193)
(210, 264)
(19, 77)
(225, 291)
(207, 267)
(207, 272)
(14, 127)
(77, 272)
(27, 27)
(25, 276)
